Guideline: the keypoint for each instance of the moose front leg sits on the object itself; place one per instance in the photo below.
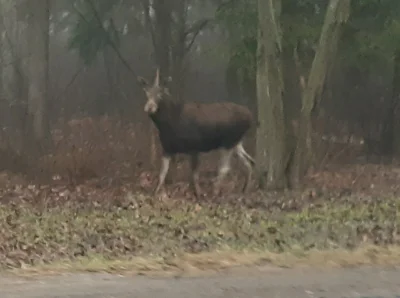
(172, 170)
(166, 159)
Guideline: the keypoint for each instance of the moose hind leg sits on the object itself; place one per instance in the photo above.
(194, 161)
(248, 161)
(224, 168)
(163, 172)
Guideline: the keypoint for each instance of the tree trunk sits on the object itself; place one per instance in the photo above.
(271, 135)
(337, 14)
(111, 102)
(388, 131)
(162, 35)
(178, 49)
(13, 75)
(38, 128)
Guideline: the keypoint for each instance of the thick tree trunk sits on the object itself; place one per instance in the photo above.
(38, 71)
(388, 131)
(336, 15)
(162, 35)
(271, 134)
(14, 88)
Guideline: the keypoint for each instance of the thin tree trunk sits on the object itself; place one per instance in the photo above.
(271, 134)
(178, 49)
(337, 14)
(112, 100)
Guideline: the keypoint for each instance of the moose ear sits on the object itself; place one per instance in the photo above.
(142, 82)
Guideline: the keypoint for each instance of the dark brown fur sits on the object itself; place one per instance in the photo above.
(195, 127)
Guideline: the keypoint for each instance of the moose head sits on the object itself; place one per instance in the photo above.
(155, 93)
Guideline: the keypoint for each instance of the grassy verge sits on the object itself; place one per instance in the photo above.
(144, 235)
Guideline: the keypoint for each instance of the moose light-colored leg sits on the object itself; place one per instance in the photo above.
(194, 161)
(248, 161)
(163, 172)
(224, 168)
(172, 170)
(241, 149)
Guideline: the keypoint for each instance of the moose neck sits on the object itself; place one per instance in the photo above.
(167, 113)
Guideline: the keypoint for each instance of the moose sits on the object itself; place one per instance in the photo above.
(194, 128)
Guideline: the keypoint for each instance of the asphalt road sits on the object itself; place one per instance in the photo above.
(246, 283)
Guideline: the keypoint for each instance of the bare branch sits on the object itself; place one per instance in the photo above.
(109, 41)
(195, 29)
(72, 80)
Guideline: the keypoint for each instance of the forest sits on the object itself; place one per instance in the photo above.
(79, 157)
